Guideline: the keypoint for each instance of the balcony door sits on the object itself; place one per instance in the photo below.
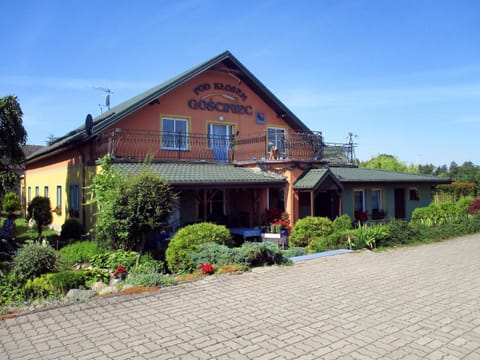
(219, 140)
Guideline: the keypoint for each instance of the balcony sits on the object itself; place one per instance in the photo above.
(137, 144)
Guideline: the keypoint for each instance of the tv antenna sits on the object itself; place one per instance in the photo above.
(107, 92)
(350, 147)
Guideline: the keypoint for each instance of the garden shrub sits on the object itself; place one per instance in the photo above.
(150, 279)
(462, 205)
(10, 290)
(337, 240)
(342, 223)
(11, 203)
(71, 230)
(66, 280)
(294, 251)
(79, 252)
(309, 227)
(258, 254)
(213, 253)
(474, 207)
(39, 287)
(399, 232)
(111, 259)
(93, 275)
(368, 235)
(186, 240)
(33, 260)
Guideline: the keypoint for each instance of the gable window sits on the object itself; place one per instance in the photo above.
(74, 200)
(174, 134)
(414, 194)
(276, 137)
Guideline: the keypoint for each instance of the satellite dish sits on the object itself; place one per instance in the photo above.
(89, 124)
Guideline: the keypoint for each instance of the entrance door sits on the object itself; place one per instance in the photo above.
(400, 203)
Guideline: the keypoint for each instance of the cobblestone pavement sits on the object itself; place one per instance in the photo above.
(409, 303)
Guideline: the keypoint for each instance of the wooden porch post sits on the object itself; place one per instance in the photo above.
(312, 203)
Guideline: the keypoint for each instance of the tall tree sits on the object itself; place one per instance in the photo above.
(384, 162)
(12, 136)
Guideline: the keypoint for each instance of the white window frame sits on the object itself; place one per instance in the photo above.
(45, 191)
(59, 196)
(276, 138)
(223, 139)
(170, 138)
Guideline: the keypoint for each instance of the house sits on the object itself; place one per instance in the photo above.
(228, 146)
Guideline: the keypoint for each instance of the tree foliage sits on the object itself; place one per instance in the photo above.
(12, 136)
(11, 203)
(384, 162)
(143, 205)
(128, 208)
(40, 210)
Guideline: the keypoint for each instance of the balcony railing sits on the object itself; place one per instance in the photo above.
(138, 144)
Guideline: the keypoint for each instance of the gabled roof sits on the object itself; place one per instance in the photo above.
(206, 174)
(223, 62)
(356, 175)
(314, 179)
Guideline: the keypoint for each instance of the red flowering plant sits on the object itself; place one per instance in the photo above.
(278, 221)
(120, 272)
(206, 268)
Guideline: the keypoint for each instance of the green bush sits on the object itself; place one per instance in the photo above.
(462, 205)
(111, 259)
(399, 233)
(369, 235)
(308, 228)
(259, 254)
(68, 279)
(293, 251)
(342, 223)
(337, 240)
(11, 203)
(33, 260)
(213, 253)
(79, 252)
(39, 287)
(10, 290)
(95, 274)
(71, 230)
(186, 241)
(150, 279)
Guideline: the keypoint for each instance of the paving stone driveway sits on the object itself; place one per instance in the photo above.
(410, 303)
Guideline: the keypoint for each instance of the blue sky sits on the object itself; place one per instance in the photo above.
(403, 76)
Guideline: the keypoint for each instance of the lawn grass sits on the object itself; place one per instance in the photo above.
(24, 233)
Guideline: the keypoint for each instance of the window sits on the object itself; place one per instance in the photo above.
(37, 191)
(414, 194)
(276, 137)
(174, 134)
(376, 200)
(359, 200)
(59, 198)
(45, 191)
(74, 200)
(29, 194)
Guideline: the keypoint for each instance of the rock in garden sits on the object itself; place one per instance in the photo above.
(77, 294)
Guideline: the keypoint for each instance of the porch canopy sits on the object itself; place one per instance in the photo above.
(220, 193)
(319, 193)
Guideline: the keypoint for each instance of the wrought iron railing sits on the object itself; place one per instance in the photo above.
(138, 144)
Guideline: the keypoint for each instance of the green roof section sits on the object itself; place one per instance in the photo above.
(353, 174)
(314, 178)
(206, 174)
